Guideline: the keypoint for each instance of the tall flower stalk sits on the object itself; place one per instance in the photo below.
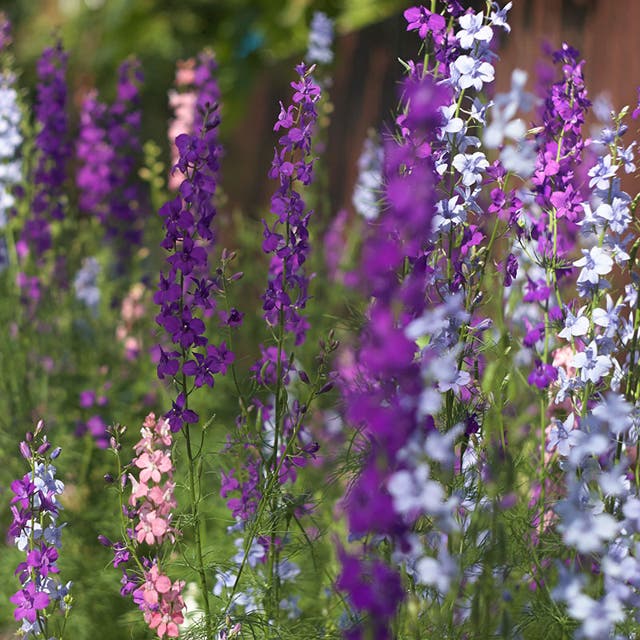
(42, 598)
(147, 523)
(278, 442)
(185, 293)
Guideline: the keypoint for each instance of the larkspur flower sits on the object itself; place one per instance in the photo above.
(36, 532)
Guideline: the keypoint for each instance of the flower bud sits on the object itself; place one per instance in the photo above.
(55, 453)
(25, 451)
(44, 447)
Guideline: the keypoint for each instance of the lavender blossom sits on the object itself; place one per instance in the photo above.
(320, 39)
(51, 142)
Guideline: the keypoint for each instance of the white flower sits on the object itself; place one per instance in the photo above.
(473, 30)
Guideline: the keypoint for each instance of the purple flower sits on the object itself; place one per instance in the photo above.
(373, 587)
(28, 602)
(286, 293)
(184, 293)
(53, 150)
(542, 375)
(425, 22)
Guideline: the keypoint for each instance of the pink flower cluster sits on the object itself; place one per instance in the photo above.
(132, 311)
(183, 103)
(161, 602)
(152, 494)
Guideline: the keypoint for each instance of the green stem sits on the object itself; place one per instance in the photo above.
(194, 486)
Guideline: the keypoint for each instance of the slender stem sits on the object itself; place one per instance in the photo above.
(194, 488)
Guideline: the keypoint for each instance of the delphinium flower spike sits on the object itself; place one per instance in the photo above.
(147, 523)
(280, 441)
(185, 292)
(43, 602)
(53, 152)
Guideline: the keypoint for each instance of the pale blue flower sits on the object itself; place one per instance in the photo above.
(583, 529)
(320, 39)
(471, 167)
(478, 111)
(559, 436)
(592, 366)
(595, 262)
(287, 570)
(577, 325)
(626, 155)
(413, 492)
(453, 123)
(473, 30)
(224, 580)
(615, 411)
(86, 283)
(616, 214)
(438, 572)
(368, 189)
(608, 318)
(602, 173)
(449, 213)
(498, 15)
(598, 617)
(467, 72)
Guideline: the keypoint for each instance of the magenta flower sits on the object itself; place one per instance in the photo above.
(28, 601)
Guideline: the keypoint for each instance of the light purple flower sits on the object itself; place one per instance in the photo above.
(577, 325)
(471, 167)
(592, 366)
(473, 30)
(602, 172)
(595, 262)
(467, 72)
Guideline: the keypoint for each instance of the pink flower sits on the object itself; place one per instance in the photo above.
(162, 603)
(151, 528)
(153, 465)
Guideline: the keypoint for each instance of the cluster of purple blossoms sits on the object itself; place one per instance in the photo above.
(385, 398)
(126, 202)
(109, 151)
(420, 349)
(36, 532)
(286, 240)
(95, 156)
(53, 150)
(284, 444)
(187, 291)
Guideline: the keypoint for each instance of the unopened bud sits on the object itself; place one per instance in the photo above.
(55, 453)
(25, 451)
(44, 447)
(325, 388)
